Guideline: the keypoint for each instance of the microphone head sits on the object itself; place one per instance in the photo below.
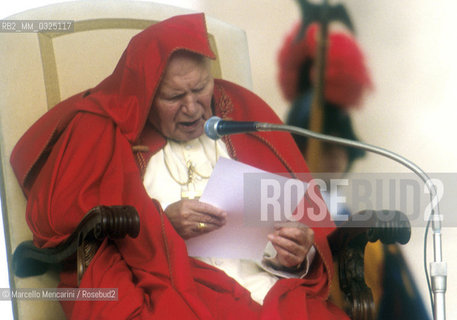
(211, 127)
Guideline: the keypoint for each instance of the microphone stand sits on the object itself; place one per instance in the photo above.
(438, 268)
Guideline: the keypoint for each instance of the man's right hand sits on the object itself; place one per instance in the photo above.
(191, 218)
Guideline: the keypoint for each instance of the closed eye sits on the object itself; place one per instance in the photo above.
(198, 90)
(175, 97)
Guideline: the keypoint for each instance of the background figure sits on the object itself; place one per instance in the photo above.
(335, 160)
(347, 80)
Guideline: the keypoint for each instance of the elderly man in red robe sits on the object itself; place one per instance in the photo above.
(137, 139)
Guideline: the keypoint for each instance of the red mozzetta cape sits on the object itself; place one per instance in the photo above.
(79, 155)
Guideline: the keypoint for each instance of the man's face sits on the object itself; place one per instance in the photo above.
(182, 103)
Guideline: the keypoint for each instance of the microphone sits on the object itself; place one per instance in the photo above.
(215, 128)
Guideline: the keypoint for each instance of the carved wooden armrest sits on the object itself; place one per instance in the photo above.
(348, 243)
(113, 222)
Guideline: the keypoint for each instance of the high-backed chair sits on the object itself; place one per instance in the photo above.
(41, 69)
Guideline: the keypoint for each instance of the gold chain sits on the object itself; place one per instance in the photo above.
(190, 170)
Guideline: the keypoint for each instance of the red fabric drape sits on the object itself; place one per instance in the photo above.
(79, 155)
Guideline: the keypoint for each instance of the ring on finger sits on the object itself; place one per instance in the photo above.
(201, 226)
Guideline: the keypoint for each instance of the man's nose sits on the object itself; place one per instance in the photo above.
(190, 104)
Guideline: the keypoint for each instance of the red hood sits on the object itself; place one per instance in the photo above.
(125, 96)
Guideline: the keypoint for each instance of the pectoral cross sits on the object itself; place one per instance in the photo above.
(191, 173)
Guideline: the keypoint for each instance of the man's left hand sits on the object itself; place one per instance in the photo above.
(292, 241)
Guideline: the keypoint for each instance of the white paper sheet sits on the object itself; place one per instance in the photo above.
(239, 238)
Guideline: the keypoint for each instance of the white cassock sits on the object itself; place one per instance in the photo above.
(171, 164)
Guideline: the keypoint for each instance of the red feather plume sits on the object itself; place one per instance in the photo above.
(346, 76)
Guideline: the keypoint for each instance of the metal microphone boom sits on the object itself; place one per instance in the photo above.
(215, 128)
